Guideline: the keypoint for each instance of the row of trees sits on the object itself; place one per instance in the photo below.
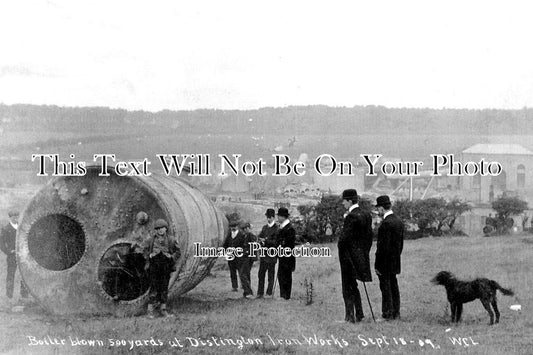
(433, 216)
(306, 119)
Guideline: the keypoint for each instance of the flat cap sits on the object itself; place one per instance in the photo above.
(160, 223)
(142, 217)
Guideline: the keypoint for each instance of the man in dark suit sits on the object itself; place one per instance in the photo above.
(234, 239)
(354, 247)
(389, 249)
(267, 264)
(7, 245)
(287, 264)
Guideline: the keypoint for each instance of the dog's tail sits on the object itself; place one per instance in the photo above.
(505, 291)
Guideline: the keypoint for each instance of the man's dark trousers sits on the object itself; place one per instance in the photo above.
(350, 292)
(234, 265)
(10, 278)
(244, 274)
(390, 294)
(160, 270)
(285, 280)
(266, 267)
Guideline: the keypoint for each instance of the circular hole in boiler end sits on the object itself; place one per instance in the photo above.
(121, 273)
(56, 242)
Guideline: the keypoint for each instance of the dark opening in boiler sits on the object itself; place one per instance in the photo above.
(121, 273)
(56, 242)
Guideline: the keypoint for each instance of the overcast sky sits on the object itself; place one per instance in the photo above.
(157, 55)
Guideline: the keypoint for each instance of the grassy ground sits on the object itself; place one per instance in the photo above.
(212, 310)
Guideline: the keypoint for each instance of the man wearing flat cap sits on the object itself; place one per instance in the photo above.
(7, 245)
(387, 266)
(162, 252)
(354, 247)
(267, 264)
(287, 264)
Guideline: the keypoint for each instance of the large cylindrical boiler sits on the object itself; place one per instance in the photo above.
(74, 242)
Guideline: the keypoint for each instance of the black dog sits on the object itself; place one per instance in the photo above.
(460, 292)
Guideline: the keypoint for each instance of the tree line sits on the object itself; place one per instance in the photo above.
(422, 218)
(304, 119)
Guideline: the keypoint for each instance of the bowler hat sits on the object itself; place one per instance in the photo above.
(13, 213)
(270, 212)
(283, 212)
(349, 194)
(383, 201)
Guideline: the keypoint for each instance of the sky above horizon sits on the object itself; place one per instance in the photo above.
(244, 55)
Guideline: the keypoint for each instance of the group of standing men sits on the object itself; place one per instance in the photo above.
(272, 235)
(354, 248)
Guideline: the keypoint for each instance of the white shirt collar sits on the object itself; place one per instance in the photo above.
(234, 233)
(14, 225)
(285, 222)
(387, 214)
(271, 224)
(352, 207)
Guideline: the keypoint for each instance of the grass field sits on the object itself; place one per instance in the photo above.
(212, 310)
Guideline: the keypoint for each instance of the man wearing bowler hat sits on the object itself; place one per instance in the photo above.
(7, 245)
(267, 264)
(287, 264)
(354, 247)
(387, 266)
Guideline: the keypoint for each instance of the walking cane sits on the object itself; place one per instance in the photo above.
(275, 282)
(369, 304)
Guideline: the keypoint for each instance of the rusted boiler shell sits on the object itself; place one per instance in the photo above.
(75, 239)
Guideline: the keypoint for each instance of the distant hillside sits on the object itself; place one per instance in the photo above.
(293, 120)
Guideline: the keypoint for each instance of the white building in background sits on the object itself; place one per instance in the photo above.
(515, 179)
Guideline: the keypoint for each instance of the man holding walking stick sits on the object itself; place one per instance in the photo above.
(354, 248)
